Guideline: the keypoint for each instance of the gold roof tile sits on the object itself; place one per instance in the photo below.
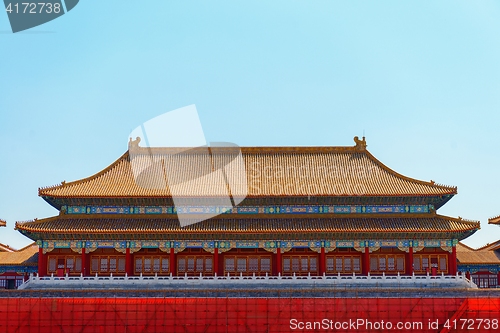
(6, 248)
(468, 255)
(20, 256)
(65, 224)
(270, 172)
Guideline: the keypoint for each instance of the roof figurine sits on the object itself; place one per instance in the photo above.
(134, 143)
(360, 144)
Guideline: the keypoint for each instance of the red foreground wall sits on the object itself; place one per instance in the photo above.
(109, 315)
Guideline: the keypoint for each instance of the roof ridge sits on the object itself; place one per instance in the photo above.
(7, 247)
(489, 245)
(460, 219)
(466, 246)
(413, 180)
(26, 247)
(482, 246)
(79, 181)
(39, 221)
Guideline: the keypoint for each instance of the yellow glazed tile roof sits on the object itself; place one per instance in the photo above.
(467, 255)
(6, 248)
(270, 171)
(66, 224)
(20, 256)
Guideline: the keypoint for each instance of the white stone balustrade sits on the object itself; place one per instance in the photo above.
(158, 282)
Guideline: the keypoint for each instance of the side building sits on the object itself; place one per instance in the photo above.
(483, 264)
(308, 210)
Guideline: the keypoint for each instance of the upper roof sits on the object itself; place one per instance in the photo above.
(468, 255)
(25, 256)
(314, 227)
(270, 172)
(494, 220)
(2, 223)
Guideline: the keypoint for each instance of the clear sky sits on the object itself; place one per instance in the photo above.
(421, 79)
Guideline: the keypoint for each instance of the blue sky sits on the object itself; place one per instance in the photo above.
(420, 79)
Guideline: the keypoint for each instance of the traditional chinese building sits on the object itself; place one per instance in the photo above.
(483, 264)
(308, 210)
(16, 265)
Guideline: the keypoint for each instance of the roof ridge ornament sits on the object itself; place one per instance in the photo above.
(134, 143)
(360, 144)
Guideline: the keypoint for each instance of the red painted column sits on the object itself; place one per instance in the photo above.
(366, 261)
(322, 261)
(216, 261)
(171, 260)
(453, 261)
(278, 262)
(128, 262)
(84, 263)
(410, 260)
(42, 268)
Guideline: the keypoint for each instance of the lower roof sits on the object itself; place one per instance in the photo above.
(78, 227)
(27, 256)
(484, 255)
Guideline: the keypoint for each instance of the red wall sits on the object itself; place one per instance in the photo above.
(111, 315)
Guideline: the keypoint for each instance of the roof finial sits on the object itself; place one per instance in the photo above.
(360, 144)
(134, 143)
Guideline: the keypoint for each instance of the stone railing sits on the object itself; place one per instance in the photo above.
(158, 282)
